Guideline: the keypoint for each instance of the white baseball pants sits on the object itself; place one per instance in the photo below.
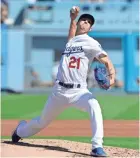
(60, 99)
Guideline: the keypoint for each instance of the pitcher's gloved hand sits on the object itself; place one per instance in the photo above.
(102, 77)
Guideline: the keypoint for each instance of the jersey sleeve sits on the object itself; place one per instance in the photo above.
(98, 50)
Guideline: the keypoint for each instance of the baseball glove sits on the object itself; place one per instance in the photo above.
(102, 77)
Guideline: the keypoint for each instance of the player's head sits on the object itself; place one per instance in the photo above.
(85, 23)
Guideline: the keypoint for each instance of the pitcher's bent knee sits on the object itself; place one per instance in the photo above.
(94, 104)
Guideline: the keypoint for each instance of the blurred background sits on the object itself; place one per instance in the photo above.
(34, 34)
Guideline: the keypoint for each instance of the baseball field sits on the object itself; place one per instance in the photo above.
(121, 121)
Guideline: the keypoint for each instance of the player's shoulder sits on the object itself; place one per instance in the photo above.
(93, 41)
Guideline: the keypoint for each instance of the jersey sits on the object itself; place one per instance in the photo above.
(77, 58)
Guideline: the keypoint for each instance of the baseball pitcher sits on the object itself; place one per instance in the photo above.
(70, 88)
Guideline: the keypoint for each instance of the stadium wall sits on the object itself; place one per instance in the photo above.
(33, 45)
(31, 50)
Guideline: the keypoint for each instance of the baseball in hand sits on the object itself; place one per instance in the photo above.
(73, 9)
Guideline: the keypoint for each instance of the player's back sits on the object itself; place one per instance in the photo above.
(76, 59)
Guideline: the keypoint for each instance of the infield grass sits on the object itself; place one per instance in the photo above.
(29, 106)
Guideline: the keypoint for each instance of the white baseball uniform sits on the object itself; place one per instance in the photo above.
(71, 89)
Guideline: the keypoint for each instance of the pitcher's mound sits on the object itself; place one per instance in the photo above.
(57, 148)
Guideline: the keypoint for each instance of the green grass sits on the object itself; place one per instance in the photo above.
(132, 143)
(29, 106)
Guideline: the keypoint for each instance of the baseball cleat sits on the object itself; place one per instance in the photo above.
(98, 152)
(15, 137)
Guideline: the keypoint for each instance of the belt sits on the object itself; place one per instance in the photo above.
(69, 85)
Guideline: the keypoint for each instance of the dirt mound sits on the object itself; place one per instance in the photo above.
(57, 148)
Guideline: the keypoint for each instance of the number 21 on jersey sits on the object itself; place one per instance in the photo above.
(74, 62)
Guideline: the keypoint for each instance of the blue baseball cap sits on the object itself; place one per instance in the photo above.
(88, 16)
